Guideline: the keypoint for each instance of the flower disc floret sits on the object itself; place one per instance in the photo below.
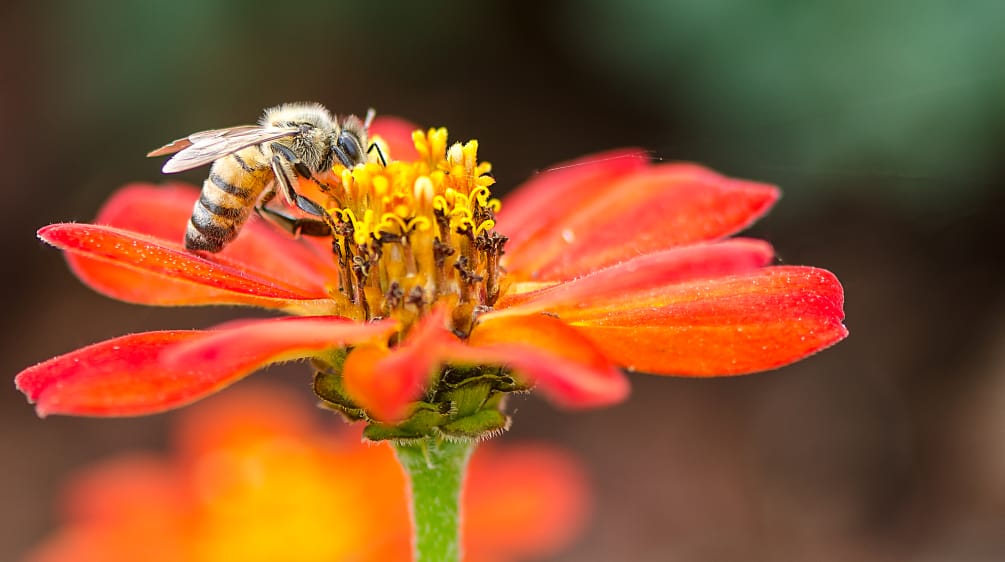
(409, 235)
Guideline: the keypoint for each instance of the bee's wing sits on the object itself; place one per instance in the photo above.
(201, 136)
(170, 148)
(206, 146)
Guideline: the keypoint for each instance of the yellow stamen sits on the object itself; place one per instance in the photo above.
(418, 232)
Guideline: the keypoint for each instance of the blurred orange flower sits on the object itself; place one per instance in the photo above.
(254, 477)
(432, 300)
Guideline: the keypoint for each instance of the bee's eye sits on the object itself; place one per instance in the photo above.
(349, 147)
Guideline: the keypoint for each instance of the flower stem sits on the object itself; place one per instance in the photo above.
(436, 469)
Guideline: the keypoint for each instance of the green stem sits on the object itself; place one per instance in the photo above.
(436, 471)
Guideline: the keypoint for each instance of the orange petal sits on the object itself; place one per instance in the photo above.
(384, 394)
(124, 488)
(697, 261)
(171, 275)
(727, 326)
(244, 415)
(125, 509)
(397, 134)
(648, 210)
(537, 493)
(156, 371)
(567, 367)
(385, 381)
(546, 199)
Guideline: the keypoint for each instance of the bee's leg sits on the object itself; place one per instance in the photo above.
(286, 170)
(293, 225)
(284, 173)
(290, 157)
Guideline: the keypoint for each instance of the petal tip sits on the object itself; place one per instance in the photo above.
(769, 195)
(23, 383)
(31, 396)
(620, 390)
(842, 332)
(46, 233)
(41, 411)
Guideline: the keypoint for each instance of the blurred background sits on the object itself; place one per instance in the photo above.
(883, 123)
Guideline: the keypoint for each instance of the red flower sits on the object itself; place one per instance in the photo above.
(255, 478)
(611, 262)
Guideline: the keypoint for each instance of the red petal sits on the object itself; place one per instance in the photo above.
(397, 134)
(137, 268)
(246, 345)
(546, 199)
(385, 381)
(563, 364)
(155, 371)
(651, 209)
(727, 326)
(258, 268)
(698, 261)
(117, 377)
(163, 212)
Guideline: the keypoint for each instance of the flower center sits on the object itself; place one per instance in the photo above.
(409, 235)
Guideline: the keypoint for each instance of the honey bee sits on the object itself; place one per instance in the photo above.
(291, 141)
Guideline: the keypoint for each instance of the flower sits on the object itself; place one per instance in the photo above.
(432, 300)
(255, 478)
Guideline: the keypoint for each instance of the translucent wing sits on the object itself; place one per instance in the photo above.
(203, 136)
(204, 147)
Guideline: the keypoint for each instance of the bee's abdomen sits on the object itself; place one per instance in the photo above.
(223, 206)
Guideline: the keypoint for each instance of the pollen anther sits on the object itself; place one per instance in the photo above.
(412, 234)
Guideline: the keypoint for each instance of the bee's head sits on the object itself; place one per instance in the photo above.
(349, 144)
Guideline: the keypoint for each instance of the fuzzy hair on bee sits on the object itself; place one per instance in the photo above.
(251, 163)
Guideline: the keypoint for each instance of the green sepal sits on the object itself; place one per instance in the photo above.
(478, 425)
(468, 398)
(466, 402)
(422, 422)
(328, 387)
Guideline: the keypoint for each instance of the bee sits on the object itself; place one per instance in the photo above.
(291, 141)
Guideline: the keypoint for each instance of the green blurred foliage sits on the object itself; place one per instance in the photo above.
(118, 77)
(905, 99)
(909, 94)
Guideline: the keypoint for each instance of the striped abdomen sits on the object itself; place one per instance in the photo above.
(228, 195)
